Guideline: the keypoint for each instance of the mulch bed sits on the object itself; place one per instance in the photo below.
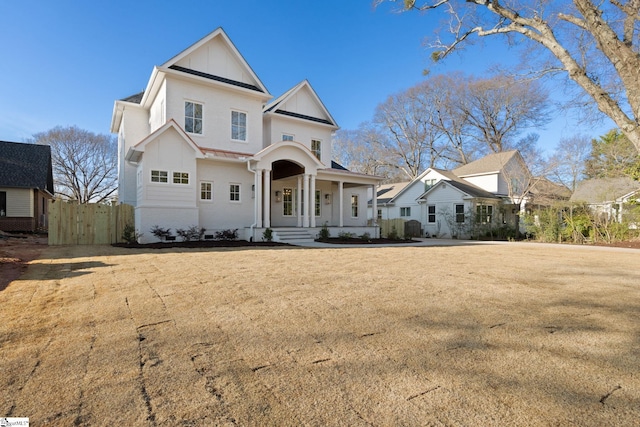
(198, 244)
(358, 241)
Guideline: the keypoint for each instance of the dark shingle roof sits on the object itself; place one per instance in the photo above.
(134, 98)
(336, 165)
(216, 78)
(25, 166)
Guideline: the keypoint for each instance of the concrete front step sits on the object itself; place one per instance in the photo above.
(293, 236)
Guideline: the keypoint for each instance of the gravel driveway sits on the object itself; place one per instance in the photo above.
(491, 335)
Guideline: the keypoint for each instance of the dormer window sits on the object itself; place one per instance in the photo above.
(193, 117)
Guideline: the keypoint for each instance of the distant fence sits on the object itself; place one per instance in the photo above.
(87, 224)
(401, 228)
(391, 226)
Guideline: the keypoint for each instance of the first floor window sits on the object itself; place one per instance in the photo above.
(3, 203)
(354, 205)
(459, 213)
(238, 126)
(193, 117)
(431, 214)
(379, 213)
(159, 176)
(180, 178)
(405, 211)
(234, 192)
(484, 214)
(316, 148)
(206, 191)
(287, 201)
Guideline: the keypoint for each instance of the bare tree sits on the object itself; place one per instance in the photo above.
(361, 151)
(499, 108)
(567, 163)
(84, 163)
(412, 144)
(595, 44)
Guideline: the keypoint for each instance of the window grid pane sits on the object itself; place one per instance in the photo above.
(206, 191)
(180, 178)
(193, 117)
(354, 206)
(234, 192)
(238, 126)
(159, 176)
(287, 201)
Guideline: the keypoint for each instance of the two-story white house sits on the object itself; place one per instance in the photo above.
(205, 145)
(483, 195)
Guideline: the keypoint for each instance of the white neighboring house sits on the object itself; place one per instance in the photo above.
(608, 196)
(482, 195)
(203, 146)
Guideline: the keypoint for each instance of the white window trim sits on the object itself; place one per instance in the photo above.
(239, 192)
(246, 126)
(405, 208)
(200, 191)
(293, 137)
(184, 117)
(181, 183)
(314, 153)
(435, 214)
(169, 174)
(357, 205)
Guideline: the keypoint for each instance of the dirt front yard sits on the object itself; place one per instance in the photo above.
(491, 335)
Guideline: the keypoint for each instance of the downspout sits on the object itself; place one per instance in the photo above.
(255, 200)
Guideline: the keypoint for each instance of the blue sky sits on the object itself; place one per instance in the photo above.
(65, 62)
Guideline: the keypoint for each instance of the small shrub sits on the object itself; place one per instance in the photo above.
(366, 236)
(267, 235)
(227, 234)
(191, 233)
(344, 235)
(129, 234)
(393, 234)
(324, 232)
(161, 233)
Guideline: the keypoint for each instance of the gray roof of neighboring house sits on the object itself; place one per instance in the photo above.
(386, 192)
(600, 190)
(546, 192)
(490, 163)
(26, 166)
(468, 188)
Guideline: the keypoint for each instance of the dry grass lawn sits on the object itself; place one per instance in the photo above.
(481, 335)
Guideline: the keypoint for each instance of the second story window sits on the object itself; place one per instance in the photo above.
(193, 117)
(287, 137)
(316, 147)
(238, 126)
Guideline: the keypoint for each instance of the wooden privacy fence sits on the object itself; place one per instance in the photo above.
(390, 226)
(87, 224)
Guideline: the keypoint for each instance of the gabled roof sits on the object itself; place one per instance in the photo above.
(135, 153)
(277, 105)
(488, 164)
(600, 190)
(26, 166)
(173, 63)
(387, 192)
(546, 192)
(471, 190)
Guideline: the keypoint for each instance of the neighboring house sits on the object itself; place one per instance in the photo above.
(203, 146)
(607, 196)
(477, 197)
(26, 185)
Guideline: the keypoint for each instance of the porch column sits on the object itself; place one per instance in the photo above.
(312, 201)
(299, 201)
(341, 203)
(374, 205)
(307, 205)
(266, 199)
(258, 197)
